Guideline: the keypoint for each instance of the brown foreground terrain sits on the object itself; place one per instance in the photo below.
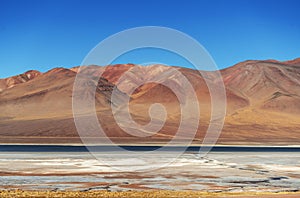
(138, 194)
(263, 103)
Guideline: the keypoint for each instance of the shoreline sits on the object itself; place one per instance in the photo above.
(154, 145)
(120, 148)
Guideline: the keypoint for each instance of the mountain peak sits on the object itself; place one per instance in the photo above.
(57, 69)
(11, 82)
(31, 74)
(295, 62)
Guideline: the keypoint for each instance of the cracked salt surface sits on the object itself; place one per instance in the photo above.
(216, 172)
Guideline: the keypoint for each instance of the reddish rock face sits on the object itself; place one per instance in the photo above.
(295, 62)
(114, 72)
(13, 81)
(263, 100)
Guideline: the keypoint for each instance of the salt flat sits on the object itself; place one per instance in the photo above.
(218, 171)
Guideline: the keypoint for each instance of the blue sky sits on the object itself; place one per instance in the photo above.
(44, 34)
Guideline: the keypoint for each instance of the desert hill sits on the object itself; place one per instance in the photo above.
(263, 102)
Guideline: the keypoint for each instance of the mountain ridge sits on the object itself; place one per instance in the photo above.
(263, 101)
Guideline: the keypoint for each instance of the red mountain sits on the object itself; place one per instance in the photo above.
(263, 102)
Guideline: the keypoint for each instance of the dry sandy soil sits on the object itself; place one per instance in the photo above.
(149, 194)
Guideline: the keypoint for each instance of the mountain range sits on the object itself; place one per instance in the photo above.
(263, 103)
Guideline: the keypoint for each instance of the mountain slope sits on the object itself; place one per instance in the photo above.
(269, 85)
(15, 80)
(263, 102)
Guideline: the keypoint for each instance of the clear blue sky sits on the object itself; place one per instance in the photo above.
(42, 34)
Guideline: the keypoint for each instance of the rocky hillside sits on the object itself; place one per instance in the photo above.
(263, 102)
